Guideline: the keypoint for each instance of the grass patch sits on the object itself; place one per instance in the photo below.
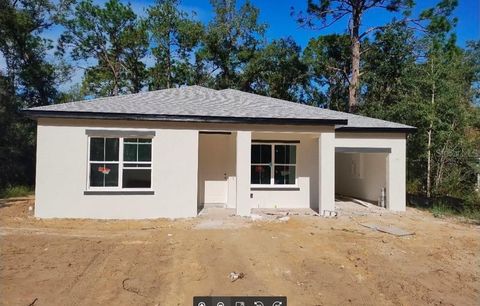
(440, 207)
(440, 210)
(16, 191)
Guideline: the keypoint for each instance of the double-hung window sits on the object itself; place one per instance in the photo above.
(137, 163)
(273, 164)
(104, 162)
(120, 163)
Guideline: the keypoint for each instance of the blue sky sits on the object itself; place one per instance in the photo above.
(280, 24)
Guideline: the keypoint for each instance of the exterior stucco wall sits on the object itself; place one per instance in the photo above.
(62, 169)
(62, 174)
(368, 179)
(395, 164)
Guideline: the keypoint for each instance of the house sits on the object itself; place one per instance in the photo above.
(167, 153)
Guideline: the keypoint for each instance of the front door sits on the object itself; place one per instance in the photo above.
(213, 166)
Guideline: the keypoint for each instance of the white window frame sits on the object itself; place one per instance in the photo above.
(121, 166)
(273, 164)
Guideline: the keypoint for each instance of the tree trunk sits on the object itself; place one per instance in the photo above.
(429, 160)
(116, 77)
(429, 143)
(169, 62)
(115, 90)
(355, 77)
(355, 59)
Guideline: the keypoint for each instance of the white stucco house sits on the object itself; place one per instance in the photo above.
(168, 153)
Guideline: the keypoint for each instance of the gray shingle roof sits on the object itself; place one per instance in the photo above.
(194, 102)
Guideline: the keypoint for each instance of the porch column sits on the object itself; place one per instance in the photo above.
(326, 173)
(396, 177)
(243, 148)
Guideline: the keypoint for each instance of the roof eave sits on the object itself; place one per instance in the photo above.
(407, 130)
(35, 114)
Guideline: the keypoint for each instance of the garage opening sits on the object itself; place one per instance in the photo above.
(361, 173)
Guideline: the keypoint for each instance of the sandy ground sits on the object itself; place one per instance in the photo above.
(311, 260)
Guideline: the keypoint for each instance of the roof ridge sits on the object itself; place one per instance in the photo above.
(340, 113)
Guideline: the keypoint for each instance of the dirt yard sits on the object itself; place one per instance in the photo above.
(309, 259)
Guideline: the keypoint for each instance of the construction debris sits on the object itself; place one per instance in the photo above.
(329, 213)
(392, 230)
(234, 276)
(256, 217)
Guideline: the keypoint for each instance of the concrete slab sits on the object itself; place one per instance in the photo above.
(390, 229)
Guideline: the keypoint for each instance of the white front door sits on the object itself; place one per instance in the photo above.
(213, 166)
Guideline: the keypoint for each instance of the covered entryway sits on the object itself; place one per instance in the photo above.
(216, 167)
(361, 173)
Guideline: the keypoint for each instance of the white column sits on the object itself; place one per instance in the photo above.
(396, 177)
(244, 141)
(326, 174)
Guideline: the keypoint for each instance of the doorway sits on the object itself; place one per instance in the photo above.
(214, 168)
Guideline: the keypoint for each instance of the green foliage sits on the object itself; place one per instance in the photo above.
(29, 75)
(277, 71)
(176, 36)
(114, 38)
(28, 80)
(427, 83)
(388, 68)
(441, 209)
(231, 40)
(16, 192)
(328, 12)
(324, 13)
(328, 61)
(75, 93)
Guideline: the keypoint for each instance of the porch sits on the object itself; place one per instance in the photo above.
(245, 170)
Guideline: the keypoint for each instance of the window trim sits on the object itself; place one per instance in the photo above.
(272, 165)
(116, 189)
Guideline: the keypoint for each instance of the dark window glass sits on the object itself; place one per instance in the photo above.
(260, 174)
(111, 149)
(136, 178)
(130, 152)
(104, 149)
(285, 154)
(103, 175)
(144, 152)
(261, 154)
(284, 175)
(137, 149)
(97, 149)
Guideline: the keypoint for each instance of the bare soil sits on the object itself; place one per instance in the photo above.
(311, 260)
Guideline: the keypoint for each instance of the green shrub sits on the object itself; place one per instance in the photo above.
(16, 191)
(472, 206)
(414, 186)
(442, 209)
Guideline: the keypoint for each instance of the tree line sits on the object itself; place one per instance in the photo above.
(410, 70)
